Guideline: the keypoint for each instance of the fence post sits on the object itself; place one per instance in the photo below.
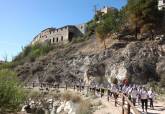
(123, 100)
(74, 87)
(80, 87)
(128, 112)
(108, 92)
(66, 86)
(101, 91)
(94, 89)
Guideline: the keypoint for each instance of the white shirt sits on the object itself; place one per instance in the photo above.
(134, 93)
(114, 88)
(144, 95)
(151, 94)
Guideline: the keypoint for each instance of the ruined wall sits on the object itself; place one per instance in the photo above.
(82, 28)
(61, 35)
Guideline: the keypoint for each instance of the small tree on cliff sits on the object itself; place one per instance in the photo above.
(109, 23)
(101, 33)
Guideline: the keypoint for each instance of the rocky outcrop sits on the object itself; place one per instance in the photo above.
(138, 61)
(68, 107)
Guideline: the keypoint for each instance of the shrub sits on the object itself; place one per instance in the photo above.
(85, 107)
(78, 39)
(162, 81)
(7, 65)
(11, 93)
(66, 96)
(31, 52)
(76, 98)
(91, 27)
(156, 87)
(114, 80)
(34, 95)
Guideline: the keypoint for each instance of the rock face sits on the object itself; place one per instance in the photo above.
(68, 107)
(138, 61)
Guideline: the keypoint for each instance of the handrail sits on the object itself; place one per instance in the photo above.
(130, 104)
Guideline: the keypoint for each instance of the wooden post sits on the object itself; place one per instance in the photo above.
(101, 89)
(87, 89)
(123, 100)
(80, 87)
(58, 85)
(128, 106)
(74, 87)
(108, 92)
(66, 86)
(33, 84)
(115, 95)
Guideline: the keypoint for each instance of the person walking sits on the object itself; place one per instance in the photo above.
(151, 97)
(144, 99)
(134, 95)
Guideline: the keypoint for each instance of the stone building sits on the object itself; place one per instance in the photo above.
(161, 4)
(60, 35)
(105, 10)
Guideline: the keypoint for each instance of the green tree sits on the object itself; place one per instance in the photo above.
(11, 93)
(143, 15)
(109, 24)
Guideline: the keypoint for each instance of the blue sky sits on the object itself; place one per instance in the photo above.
(21, 20)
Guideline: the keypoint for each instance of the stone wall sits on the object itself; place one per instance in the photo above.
(82, 28)
(60, 35)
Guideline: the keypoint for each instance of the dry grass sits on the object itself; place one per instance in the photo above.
(76, 99)
(71, 96)
(85, 107)
(34, 95)
(66, 96)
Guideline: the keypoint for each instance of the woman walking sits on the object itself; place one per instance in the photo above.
(134, 95)
(151, 97)
(144, 99)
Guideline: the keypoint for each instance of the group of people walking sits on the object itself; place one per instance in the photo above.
(137, 94)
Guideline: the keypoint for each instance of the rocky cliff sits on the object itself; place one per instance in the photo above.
(138, 61)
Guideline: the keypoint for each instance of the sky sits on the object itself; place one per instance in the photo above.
(21, 20)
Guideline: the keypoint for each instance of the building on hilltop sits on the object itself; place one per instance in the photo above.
(105, 10)
(60, 35)
(161, 4)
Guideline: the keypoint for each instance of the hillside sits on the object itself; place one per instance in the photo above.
(138, 61)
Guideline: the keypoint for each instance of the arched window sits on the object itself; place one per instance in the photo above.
(57, 39)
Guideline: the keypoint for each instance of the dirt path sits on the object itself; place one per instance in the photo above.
(109, 108)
